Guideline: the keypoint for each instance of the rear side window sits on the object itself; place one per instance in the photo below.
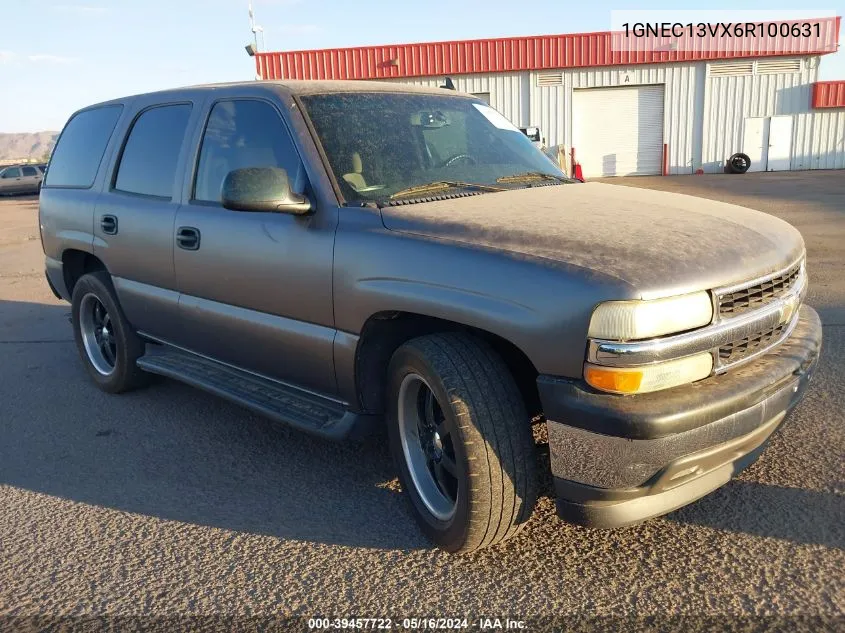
(77, 156)
(30, 171)
(148, 163)
(239, 134)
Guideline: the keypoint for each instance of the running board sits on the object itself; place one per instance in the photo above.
(302, 410)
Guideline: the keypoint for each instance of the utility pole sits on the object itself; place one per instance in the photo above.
(256, 29)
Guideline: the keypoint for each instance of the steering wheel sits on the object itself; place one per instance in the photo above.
(467, 157)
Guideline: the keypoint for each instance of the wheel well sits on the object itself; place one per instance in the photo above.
(77, 263)
(384, 332)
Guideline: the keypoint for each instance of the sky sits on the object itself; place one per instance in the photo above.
(59, 55)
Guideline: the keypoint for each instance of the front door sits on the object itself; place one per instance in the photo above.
(755, 142)
(133, 219)
(256, 288)
(10, 180)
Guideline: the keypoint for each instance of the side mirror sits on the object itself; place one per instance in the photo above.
(265, 189)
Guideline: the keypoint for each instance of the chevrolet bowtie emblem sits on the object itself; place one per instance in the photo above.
(787, 310)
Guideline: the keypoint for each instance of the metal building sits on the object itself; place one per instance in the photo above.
(674, 108)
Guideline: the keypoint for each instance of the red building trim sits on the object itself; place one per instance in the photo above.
(509, 54)
(829, 94)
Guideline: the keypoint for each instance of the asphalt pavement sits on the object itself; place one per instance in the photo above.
(170, 506)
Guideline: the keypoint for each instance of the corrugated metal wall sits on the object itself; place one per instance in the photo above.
(679, 109)
(509, 92)
(518, 97)
(818, 140)
(729, 100)
(829, 94)
(703, 115)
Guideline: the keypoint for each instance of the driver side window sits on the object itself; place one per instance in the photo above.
(243, 133)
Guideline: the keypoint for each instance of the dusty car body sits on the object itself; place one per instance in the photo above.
(405, 257)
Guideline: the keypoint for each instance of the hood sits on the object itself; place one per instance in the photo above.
(659, 243)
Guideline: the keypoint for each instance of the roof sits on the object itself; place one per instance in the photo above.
(318, 87)
(509, 54)
(288, 86)
(829, 94)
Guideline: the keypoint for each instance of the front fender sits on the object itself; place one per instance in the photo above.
(541, 306)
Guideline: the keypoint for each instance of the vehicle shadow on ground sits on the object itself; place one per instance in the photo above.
(792, 514)
(176, 453)
(26, 200)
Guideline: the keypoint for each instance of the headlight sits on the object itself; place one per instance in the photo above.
(632, 320)
(649, 377)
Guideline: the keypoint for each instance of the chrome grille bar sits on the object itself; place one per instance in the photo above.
(751, 295)
(778, 316)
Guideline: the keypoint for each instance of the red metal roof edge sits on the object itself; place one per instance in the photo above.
(480, 40)
(503, 54)
(487, 40)
(829, 94)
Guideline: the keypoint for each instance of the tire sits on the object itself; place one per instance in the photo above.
(121, 374)
(739, 163)
(486, 439)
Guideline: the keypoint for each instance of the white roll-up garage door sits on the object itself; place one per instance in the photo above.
(618, 131)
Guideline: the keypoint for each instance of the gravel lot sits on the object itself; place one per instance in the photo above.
(170, 502)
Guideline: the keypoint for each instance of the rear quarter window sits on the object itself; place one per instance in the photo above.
(80, 149)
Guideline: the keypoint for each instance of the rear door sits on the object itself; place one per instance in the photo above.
(780, 143)
(31, 178)
(256, 287)
(75, 182)
(133, 221)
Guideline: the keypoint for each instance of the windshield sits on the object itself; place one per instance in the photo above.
(389, 146)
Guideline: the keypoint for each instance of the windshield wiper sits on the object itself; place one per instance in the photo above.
(530, 175)
(438, 185)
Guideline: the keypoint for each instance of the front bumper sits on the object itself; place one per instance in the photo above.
(618, 460)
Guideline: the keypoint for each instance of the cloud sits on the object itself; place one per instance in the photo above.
(278, 3)
(51, 59)
(9, 57)
(80, 8)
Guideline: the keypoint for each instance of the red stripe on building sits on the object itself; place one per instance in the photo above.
(829, 94)
(509, 54)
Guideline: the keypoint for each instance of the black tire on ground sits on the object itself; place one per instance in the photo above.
(125, 375)
(739, 163)
(491, 439)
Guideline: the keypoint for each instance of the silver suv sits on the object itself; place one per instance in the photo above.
(17, 179)
(344, 257)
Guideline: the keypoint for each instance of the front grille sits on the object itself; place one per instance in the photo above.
(758, 295)
(737, 350)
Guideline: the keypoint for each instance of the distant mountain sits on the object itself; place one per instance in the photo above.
(27, 145)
